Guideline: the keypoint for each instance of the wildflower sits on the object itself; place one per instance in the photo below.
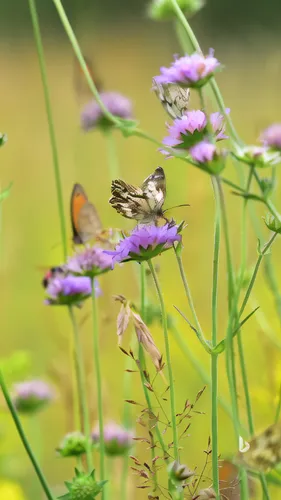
(118, 105)
(83, 487)
(271, 136)
(191, 71)
(73, 444)
(206, 154)
(69, 290)
(32, 396)
(179, 472)
(163, 10)
(90, 262)
(192, 127)
(117, 439)
(260, 156)
(146, 242)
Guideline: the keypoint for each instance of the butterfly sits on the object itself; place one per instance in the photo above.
(173, 98)
(53, 272)
(85, 220)
(264, 451)
(144, 203)
(229, 481)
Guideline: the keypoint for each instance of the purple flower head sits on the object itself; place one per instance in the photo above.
(192, 127)
(92, 115)
(205, 153)
(117, 439)
(31, 396)
(145, 242)
(192, 71)
(271, 136)
(90, 262)
(69, 290)
(261, 156)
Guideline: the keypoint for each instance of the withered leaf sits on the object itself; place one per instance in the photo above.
(123, 319)
(132, 402)
(135, 459)
(145, 338)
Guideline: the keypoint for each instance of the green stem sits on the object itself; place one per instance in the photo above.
(81, 389)
(40, 52)
(199, 330)
(24, 439)
(278, 408)
(112, 156)
(169, 364)
(214, 357)
(99, 385)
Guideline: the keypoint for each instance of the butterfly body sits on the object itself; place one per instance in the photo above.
(84, 217)
(144, 204)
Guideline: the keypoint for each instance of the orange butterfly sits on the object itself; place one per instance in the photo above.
(85, 221)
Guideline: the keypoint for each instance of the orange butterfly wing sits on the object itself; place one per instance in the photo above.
(84, 217)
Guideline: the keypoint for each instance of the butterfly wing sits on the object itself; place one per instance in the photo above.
(173, 98)
(85, 220)
(265, 450)
(154, 189)
(128, 200)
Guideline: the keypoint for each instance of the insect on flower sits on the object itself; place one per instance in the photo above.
(52, 273)
(85, 220)
(174, 99)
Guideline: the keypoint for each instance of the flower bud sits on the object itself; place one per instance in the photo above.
(83, 487)
(32, 396)
(73, 444)
(162, 10)
(117, 439)
(273, 223)
(179, 472)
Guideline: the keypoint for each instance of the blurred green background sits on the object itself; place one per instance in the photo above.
(127, 50)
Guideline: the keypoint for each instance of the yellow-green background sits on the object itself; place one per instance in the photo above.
(126, 55)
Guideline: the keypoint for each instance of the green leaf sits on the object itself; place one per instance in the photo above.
(220, 347)
(248, 196)
(261, 249)
(3, 139)
(4, 194)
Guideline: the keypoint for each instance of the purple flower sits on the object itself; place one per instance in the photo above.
(192, 127)
(68, 290)
(117, 439)
(206, 154)
(261, 156)
(92, 115)
(90, 262)
(146, 242)
(31, 396)
(271, 136)
(192, 71)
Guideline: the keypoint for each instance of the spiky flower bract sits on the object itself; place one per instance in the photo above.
(146, 242)
(191, 71)
(117, 439)
(69, 290)
(72, 445)
(83, 487)
(90, 262)
(118, 105)
(32, 396)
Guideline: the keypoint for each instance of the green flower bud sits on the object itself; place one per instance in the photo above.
(162, 10)
(83, 487)
(179, 472)
(73, 444)
(273, 223)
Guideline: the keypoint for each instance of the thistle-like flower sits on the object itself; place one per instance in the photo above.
(271, 136)
(90, 262)
(72, 445)
(32, 396)
(191, 71)
(207, 156)
(146, 242)
(260, 156)
(83, 487)
(69, 290)
(118, 105)
(117, 439)
(192, 128)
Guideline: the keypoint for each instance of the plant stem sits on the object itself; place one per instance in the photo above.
(81, 389)
(99, 385)
(113, 166)
(214, 356)
(40, 52)
(24, 439)
(169, 364)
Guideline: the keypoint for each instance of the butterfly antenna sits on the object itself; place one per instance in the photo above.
(177, 206)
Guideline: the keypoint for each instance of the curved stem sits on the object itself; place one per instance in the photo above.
(99, 385)
(214, 356)
(24, 439)
(81, 389)
(40, 51)
(169, 363)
